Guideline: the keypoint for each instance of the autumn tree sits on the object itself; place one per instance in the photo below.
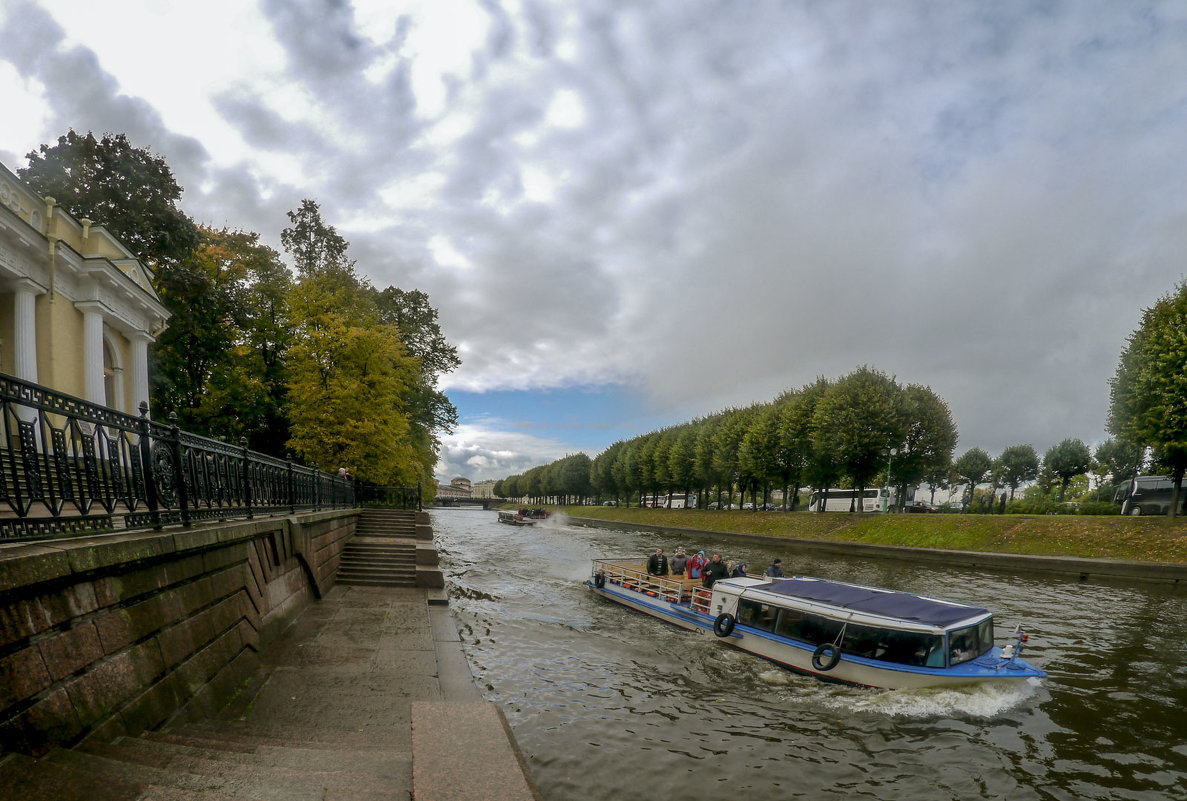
(350, 375)
(1148, 393)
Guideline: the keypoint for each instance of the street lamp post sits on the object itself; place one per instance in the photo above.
(890, 452)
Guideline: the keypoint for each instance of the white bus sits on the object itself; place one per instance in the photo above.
(846, 500)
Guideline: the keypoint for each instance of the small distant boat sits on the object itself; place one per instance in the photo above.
(836, 631)
(523, 516)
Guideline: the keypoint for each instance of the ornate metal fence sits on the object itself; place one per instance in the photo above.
(68, 466)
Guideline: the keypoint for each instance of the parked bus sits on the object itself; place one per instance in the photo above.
(1149, 495)
(843, 500)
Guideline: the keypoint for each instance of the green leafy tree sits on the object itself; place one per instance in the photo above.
(759, 454)
(682, 458)
(1067, 460)
(1119, 459)
(973, 467)
(1016, 465)
(126, 189)
(1148, 393)
(929, 437)
(856, 420)
(795, 438)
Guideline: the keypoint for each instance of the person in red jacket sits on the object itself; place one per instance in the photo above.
(696, 564)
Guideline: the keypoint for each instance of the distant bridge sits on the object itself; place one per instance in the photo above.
(467, 503)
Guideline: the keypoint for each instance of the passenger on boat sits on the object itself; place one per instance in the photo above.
(679, 562)
(739, 571)
(696, 565)
(714, 570)
(776, 569)
(657, 563)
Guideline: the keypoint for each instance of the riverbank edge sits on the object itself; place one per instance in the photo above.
(1078, 568)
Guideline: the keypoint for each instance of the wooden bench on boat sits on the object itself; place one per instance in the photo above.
(632, 574)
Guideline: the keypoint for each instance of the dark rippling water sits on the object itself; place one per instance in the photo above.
(607, 703)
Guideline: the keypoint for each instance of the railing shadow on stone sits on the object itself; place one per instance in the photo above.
(72, 467)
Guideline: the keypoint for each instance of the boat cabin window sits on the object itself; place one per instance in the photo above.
(805, 627)
(902, 647)
(757, 615)
(970, 642)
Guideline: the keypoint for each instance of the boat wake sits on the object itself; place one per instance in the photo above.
(985, 700)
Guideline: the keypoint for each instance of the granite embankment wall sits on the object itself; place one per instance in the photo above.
(1068, 567)
(114, 634)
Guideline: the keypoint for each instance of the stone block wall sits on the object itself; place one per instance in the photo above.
(108, 635)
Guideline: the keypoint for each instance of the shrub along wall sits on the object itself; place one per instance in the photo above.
(114, 634)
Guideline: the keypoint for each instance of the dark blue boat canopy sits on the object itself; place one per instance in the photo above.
(888, 603)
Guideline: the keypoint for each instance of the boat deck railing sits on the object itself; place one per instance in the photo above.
(631, 574)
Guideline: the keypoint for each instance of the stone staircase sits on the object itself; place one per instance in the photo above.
(219, 760)
(382, 552)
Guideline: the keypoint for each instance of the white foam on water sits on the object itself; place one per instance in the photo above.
(984, 700)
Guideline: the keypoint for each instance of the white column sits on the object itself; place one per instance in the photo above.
(92, 354)
(24, 319)
(138, 371)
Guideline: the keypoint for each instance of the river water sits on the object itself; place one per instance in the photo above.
(607, 703)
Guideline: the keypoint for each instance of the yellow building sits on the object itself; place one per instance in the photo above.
(77, 309)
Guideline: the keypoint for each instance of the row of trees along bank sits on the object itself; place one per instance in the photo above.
(827, 434)
(841, 433)
(321, 363)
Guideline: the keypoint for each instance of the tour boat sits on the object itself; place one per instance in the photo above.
(836, 631)
(523, 516)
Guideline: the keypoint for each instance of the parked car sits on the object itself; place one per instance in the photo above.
(921, 506)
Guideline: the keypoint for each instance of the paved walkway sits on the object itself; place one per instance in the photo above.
(385, 667)
(367, 696)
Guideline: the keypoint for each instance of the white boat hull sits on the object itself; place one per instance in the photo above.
(798, 657)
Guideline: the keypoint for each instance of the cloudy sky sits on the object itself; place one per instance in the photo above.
(631, 214)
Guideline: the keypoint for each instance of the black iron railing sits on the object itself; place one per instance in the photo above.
(68, 466)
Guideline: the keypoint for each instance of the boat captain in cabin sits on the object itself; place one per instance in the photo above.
(657, 563)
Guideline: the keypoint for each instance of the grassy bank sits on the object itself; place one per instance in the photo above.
(1143, 539)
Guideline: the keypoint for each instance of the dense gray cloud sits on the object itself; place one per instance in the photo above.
(713, 205)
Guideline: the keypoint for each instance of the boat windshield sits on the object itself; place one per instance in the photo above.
(970, 642)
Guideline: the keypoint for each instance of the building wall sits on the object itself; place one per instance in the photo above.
(69, 265)
(112, 635)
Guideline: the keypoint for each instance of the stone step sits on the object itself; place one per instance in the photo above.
(254, 774)
(398, 559)
(267, 787)
(372, 763)
(28, 779)
(324, 736)
(447, 736)
(376, 582)
(386, 558)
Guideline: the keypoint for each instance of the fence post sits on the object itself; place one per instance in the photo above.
(419, 508)
(246, 476)
(315, 477)
(183, 495)
(292, 494)
(146, 469)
